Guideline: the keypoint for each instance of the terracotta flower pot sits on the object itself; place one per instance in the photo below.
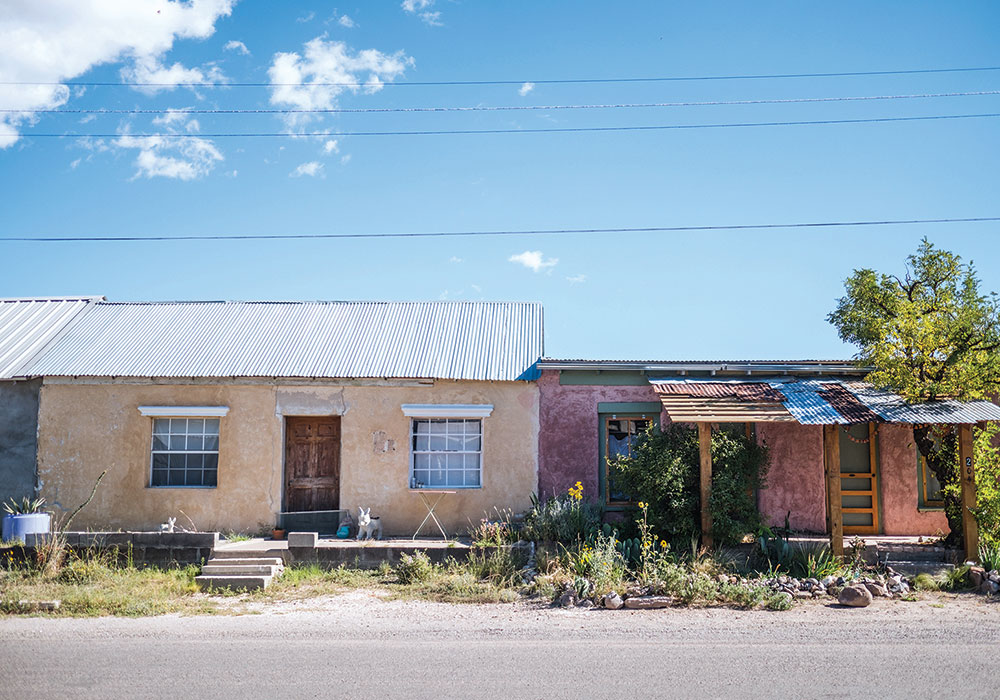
(277, 534)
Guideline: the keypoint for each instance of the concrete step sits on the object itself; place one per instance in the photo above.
(219, 569)
(249, 583)
(249, 561)
(247, 553)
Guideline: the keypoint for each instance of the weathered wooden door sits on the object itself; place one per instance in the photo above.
(312, 464)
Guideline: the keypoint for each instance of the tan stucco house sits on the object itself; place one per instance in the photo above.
(232, 413)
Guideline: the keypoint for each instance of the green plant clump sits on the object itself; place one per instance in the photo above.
(414, 568)
(566, 518)
(25, 506)
(663, 471)
(989, 556)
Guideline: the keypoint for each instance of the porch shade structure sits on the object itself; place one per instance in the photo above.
(827, 401)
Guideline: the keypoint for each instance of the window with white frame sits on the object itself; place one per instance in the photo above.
(446, 453)
(185, 452)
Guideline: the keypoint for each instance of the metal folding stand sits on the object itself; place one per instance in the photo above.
(430, 505)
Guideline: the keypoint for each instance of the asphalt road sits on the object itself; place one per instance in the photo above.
(420, 650)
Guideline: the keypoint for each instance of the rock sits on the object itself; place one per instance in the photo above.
(841, 581)
(585, 603)
(855, 597)
(995, 576)
(648, 602)
(993, 586)
(613, 601)
(803, 594)
(786, 596)
(877, 590)
(567, 600)
(828, 581)
(977, 575)
(722, 578)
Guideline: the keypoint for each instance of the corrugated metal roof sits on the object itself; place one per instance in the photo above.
(27, 325)
(829, 401)
(440, 340)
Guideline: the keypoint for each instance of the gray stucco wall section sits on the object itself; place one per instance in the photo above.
(18, 437)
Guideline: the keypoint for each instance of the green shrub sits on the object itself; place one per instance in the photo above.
(987, 511)
(500, 567)
(663, 471)
(413, 568)
(925, 582)
(567, 518)
(779, 601)
(747, 597)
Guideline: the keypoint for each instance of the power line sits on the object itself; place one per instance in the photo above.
(546, 130)
(506, 108)
(560, 81)
(530, 232)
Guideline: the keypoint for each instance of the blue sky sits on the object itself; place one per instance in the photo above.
(751, 294)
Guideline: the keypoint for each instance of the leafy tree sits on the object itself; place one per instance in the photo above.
(930, 334)
(663, 471)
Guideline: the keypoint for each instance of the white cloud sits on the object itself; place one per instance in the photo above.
(454, 259)
(59, 40)
(413, 6)
(182, 158)
(344, 160)
(346, 21)
(307, 17)
(476, 287)
(331, 147)
(419, 8)
(171, 117)
(237, 46)
(159, 77)
(311, 82)
(576, 279)
(75, 163)
(525, 89)
(311, 169)
(533, 260)
(179, 157)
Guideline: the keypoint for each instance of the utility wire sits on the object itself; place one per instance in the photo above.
(505, 108)
(531, 232)
(546, 130)
(563, 81)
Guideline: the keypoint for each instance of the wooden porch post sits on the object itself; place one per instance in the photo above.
(831, 465)
(705, 451)
(970, 529)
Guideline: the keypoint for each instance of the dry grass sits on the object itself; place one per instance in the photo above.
(88, 589)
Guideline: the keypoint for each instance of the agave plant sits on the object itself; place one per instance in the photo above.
(989, 556)
(25, 506)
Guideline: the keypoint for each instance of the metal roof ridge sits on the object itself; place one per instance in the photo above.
(67, 297)
(104, 302)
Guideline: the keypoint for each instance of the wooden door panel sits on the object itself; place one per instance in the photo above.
(312, 464)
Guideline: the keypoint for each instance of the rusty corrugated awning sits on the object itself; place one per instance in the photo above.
(826, 401)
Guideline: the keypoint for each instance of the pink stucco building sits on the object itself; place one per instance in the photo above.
(588, 410)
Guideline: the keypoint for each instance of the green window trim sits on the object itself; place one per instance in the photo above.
(602, 423)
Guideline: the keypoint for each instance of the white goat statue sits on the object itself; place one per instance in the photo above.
(368, 527)
(168, 526)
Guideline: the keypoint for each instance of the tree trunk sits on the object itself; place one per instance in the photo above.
(941, 457)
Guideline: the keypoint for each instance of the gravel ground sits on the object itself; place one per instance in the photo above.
(359, 645)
